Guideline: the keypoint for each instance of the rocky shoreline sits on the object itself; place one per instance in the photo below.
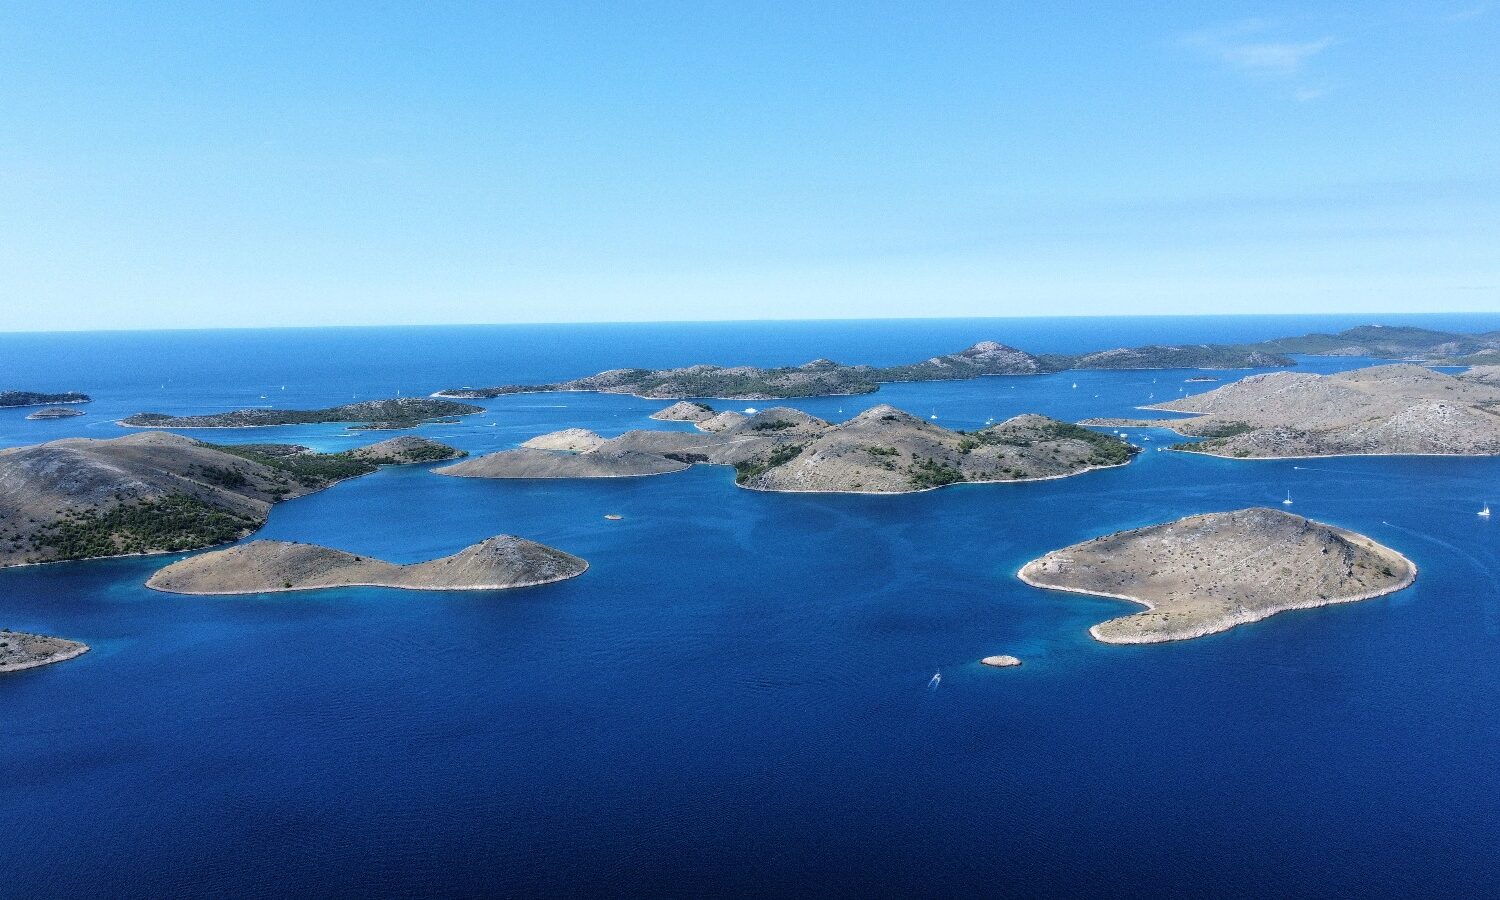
(21, 650)
(1195, 576)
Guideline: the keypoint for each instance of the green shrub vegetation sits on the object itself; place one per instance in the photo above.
(168, 524)
(312, 470)
(748, 469)
(1227, 429)
(929, 473)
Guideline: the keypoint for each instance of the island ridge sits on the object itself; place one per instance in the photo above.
(881, 450)
(498, 563)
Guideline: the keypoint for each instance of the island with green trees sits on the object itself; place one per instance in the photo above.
(401, 412)
(155, 492)
(11, 399)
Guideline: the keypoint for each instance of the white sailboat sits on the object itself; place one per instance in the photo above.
(1288, 500)
(1485, 513)
(937, 679)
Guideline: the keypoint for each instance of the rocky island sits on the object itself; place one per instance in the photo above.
(56, 412)
(11, 399)
(824, 377)
(1208, 573)
(685, 411)
(19, 650)
(1001, 662)
(1381, 410)
(882, 450)
(499, 563)
(401, 412)
(153, 492)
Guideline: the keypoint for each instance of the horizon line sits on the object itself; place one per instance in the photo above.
(811, 320)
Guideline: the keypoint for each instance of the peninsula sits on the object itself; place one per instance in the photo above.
(824, 377)
(154, 492)
(56, 412)
(1380, 410)
(19, 650)
(1208, 573)
(498, 563)
(9, 399)
(401, 412)
(881, 450)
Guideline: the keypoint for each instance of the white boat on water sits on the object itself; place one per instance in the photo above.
(937, 679)
(1485, 513)
(1288, 500)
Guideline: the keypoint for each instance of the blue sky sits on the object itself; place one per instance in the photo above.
(382, 163)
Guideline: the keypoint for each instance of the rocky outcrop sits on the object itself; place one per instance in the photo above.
(498, 563)
(1001, 662)
(1208, 573)
(573, 440)
(1393, 409)
(56, 412)
(19, 650)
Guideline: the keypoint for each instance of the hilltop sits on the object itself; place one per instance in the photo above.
(685, 411)
(882, 450)
(1390, 409)
(401, 412)
(153, 492)
(498, 563)
(1208, 573)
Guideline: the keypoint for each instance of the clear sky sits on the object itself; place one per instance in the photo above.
(306, 163)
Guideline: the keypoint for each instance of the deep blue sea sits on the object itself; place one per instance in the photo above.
(734, 699)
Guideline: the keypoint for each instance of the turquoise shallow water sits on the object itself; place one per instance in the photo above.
(734, 698)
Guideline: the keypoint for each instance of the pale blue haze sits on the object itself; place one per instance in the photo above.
(195, 164)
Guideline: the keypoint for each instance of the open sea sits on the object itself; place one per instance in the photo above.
(734, 699)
